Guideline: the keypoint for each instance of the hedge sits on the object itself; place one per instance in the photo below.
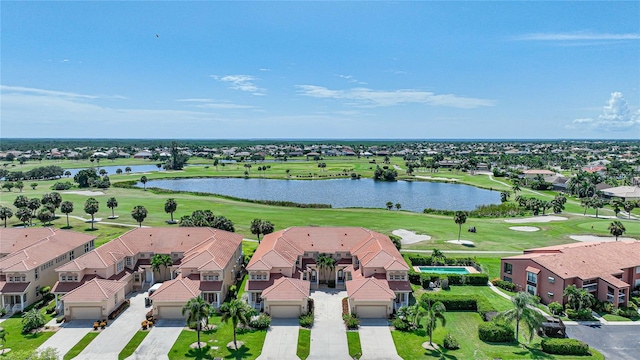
(564, 346)
(582, 314)
(453, 302)
(477, 279)
(504, 285)
(414, 277)
(421, 260)
(495, 332)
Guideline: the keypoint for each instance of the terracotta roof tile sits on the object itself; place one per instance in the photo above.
(370, 289)
(180, 289)
(95, 290)
(287, 289)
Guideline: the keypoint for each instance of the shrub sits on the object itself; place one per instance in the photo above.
(582, 314)
(556, 308)
(414, 277)
(477, 279)
(51, 308)
(636, 300)
(444, 284)
(504, 285)
(331, 283)
(62, 185)
(351, 321)
(401, 325)
(627, 312)
(495, 332)
(3, 312)
(260, 322)
(450, 343)
(454, 279)
(453, 302)
(59, 319)
(119, 309)
(564, 346)
(425, 280)
(485, 308)
(306, 320)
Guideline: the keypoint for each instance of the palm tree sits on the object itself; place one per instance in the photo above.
(504, 196)
(24, 215)
(45, 216)
(398, 206)
(524, 310)
(432, 313)
(91, 206)
(259, 227)
(437, 257)
(615, 228)
(325, 263)
(237, 311)
(66, 207)
(516, 187)
(628, 206)
(144, 180)
(389, 205)
(127, 169)
(578, 298)
(139, 213)
(460, 218)
(112, 203)
(161, 260)
(198, 311)
(33, 205)
(170, 206)
(5, 213)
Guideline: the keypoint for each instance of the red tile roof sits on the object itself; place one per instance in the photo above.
(287, 289)
(369, 289)
(96, 290)
(180, 289)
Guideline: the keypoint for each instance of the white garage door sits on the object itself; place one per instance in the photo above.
(170, 312)
(371, 311)
(86, 312)
(285, 311)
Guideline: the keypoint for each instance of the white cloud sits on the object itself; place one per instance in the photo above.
(42, 92)
(616, 116)
(576, 36)
(374, 98)
(241, 82)
(264, 69)
(215, 104)
(351, 79)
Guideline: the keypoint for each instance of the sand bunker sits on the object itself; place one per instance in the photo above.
(537, 219)
(593, 238)
(85, 192)
(462, 242)
(410, 237)
(525, 228)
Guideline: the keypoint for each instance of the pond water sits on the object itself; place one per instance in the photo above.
(342, 193)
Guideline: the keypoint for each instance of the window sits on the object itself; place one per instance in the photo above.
(552, 280)
(508, 268)
(211, 278)
(531, 289)
(637, 269)
(128, 260)
(532, 278)
(63, 278)
(36, 273)
(10, 278)
(119, 266)
(136, 277)
(507, 279)
(116, 298)
(72, 255)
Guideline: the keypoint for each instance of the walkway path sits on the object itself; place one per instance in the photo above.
(463, 251)
(328, 335)
(106, 222)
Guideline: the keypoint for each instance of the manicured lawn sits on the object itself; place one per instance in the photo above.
(304, 343)
(611, 317)
(253, 341)
(353, 339)
(132, 345)
(16, 341)
(77, 349)
(242, 284)
(499, 303)
(463, 326)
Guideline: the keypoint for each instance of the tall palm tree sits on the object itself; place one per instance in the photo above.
(524, 310)
(91, 207)
(112, 203)
(628, 206)
(616, 229)
(161, 260)
(144, 180)
(432, 313)
(198, 311)
(516, 187)
(24, 215)
(139, 213)
(66, 207)
(5, 213)
(170, 206)
(460, 218)
(237, 311)
(325, 263)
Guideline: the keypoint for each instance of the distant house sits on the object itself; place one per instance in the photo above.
(602, 170)
(285, 267)
(608, 270)
(144, 154)
(209, 258)
(623, 192)
(28, 258)
(533, 173)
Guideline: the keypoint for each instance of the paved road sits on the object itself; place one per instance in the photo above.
(618, 342)
(281, 342)
(68, 335)
(117, 335)
(328, 335)
(158, 343)
(376, 340)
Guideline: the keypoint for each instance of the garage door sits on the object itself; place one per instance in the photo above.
(285, 311)
(86, 312)
(170, 312)
(371, 311)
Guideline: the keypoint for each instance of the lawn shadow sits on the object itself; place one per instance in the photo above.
(90, 229)
(440, 354)
(67, 227)
(242, 353)
(199, 354)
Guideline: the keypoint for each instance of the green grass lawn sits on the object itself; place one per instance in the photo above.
(304, 343)
(499, 303)
(463, 326)
(253, 340)
(16, 340)
(353, 340)
(132, 345)
(77, 348)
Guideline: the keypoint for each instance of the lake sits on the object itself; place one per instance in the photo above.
(342, 193)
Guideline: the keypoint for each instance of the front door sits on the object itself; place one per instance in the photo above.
(340, 275)
(149, 276)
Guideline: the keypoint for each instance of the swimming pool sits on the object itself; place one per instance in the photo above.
(461, 270)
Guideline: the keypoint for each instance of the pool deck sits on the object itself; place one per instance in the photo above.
(470, 269)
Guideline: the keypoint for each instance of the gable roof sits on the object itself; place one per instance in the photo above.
(369, 289)
(287, 289)
(180, 289)
(95, 290)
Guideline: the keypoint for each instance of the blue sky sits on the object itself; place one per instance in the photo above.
(408, 70)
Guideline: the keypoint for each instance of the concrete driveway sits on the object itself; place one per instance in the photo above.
(118, 333)
(613, 341)
(328, 335)
(376, 340)
(68, 335)
(158, 343)
(281, 341)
